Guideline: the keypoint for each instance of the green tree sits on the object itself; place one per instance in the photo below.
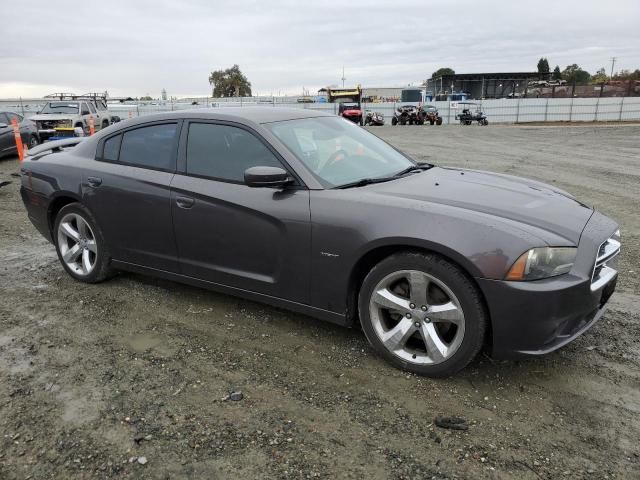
(600, 76)
(575, 74)
(146, 98)
(543, 65)
(443, 71)
(230, 83)
(557, 74)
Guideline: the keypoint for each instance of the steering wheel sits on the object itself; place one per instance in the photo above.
(334, 158)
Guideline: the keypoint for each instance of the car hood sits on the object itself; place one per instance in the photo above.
(52, 116)
(522, 200)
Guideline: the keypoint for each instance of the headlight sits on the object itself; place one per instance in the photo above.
(542, 262)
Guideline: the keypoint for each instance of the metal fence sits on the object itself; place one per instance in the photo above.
(515, 110)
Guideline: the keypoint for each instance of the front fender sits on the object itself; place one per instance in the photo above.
(346, 227)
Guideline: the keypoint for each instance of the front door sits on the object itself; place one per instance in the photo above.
(7, 138)
(255, 239)
(128, 190)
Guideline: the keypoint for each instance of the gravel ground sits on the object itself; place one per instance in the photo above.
(128, 379)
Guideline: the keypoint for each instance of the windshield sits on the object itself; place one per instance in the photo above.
(339, 152)
(61, 107)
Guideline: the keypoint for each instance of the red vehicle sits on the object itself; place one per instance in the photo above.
(351, 111)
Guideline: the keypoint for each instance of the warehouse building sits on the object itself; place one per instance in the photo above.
(485, 85)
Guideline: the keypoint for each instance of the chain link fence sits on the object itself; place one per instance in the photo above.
(513, 110)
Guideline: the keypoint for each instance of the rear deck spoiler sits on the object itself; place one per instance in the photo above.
(55, 146)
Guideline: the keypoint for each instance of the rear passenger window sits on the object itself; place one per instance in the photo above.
(150, 147)
(112, 148)
(224, 152)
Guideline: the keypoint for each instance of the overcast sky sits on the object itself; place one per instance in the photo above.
(139, 47)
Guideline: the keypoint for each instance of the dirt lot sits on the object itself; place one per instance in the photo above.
(94, 377)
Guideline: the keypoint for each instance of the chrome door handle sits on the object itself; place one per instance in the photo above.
(185, 202)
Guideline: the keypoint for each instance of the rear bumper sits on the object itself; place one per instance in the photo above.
(538, 317)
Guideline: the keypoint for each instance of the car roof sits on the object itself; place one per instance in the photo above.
(252, 114)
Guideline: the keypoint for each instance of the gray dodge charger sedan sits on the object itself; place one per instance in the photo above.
(309, 212)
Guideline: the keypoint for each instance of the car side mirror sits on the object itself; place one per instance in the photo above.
(3, 125)
(273, 177)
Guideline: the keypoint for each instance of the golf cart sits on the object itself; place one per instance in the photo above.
(471, 112)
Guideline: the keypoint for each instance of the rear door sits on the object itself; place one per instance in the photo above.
(256, 239)
(128, 190)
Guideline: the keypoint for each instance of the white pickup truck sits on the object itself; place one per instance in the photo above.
(63, 118)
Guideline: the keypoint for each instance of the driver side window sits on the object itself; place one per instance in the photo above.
(223, 152)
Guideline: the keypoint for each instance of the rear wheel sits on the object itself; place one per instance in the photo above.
(33, 141)
(81, 248)
(422, 313)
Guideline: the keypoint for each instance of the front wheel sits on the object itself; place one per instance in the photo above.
(422, 313)
(80, 245)
(394, 121)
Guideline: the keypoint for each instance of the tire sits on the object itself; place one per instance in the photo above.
(431, 122)
(439, 121)
(394, 121)
(453, 317)
(105, 124)
(84, 238)
(33, 141)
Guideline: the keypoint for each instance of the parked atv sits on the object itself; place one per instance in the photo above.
(406, 114)
(430, 114)
(467, 117)
(351, 111)
(373, 118)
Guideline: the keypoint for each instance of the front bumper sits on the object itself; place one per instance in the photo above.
(538, 317)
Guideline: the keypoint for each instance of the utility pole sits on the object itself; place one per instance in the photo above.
(343, 77)
(613, 62)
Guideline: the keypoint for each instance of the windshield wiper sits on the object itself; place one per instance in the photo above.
(413, 168)
(367, 181)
